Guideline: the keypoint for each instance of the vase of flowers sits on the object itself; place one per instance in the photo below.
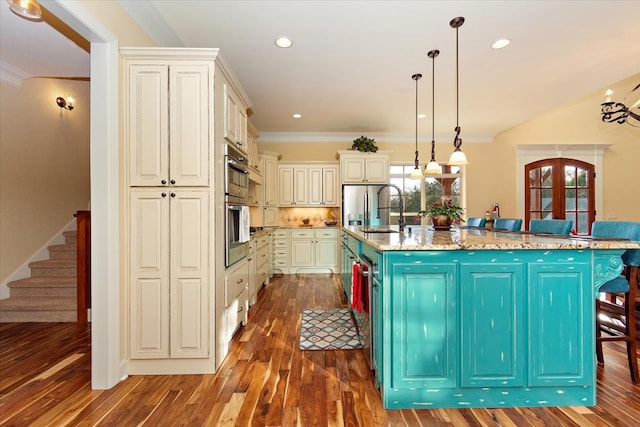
(443, 214)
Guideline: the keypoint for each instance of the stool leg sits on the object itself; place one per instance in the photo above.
(599, 355)
(630, 315)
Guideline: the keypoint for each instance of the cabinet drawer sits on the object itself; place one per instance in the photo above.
(281, 234)
(280, 244)
(331, 233)
(235, 283)
(280, 262)
(302, 234)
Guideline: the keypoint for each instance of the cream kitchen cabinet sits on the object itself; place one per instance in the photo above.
(369, 168)
(281, 251)
(269, 163)
(323, 185)
(314, 250)
(169, 273)
(235, 120)
(255, 167)
(308, 185)
(236, 281)
(293, 185)
(167, 124)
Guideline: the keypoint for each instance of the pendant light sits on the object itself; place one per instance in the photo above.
(416, 173)
(457, 158)
(433, 167)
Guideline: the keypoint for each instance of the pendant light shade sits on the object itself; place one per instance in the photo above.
(433, 167)
(416, 173)
(27, 9)
(458, 158)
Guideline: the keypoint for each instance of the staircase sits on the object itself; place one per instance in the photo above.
(49, 295)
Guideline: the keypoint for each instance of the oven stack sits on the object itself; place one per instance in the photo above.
(236, 190)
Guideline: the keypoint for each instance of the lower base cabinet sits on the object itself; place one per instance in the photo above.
(461, 329)
(314, 250)
(236, 297)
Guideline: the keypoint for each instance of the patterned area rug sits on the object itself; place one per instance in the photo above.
(328, 329)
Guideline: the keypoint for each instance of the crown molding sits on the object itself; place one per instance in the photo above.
(12, 75)
(332, 137)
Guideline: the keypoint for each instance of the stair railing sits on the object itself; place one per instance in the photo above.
(83, 225)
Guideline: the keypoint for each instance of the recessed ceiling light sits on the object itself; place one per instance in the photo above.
(499, 44)
(283, 42)
(297, 116)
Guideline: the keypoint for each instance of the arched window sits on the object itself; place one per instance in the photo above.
(561, 188)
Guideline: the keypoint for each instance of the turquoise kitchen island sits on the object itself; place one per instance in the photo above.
(479, 318)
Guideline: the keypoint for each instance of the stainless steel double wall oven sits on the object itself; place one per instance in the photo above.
(236, 190)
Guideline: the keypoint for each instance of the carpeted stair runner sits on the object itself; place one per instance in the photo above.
(49, 295)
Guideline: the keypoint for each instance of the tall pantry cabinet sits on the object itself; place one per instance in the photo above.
(172, 255)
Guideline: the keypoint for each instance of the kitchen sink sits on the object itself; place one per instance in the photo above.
(378, 230)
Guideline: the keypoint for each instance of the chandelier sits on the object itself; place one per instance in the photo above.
(619, 112)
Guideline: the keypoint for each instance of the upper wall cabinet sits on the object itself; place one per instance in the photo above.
(168, 127)
(368, 168)
(305, 185)
(235, 120)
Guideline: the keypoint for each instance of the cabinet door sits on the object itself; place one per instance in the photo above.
(230, 115)
(270, 216)
(424, 347)
(492, 300)
(300, 186)
(286, 186)
(326, 253)
(270, 186)
(189, 125)
(149, 284)
(377, 170)
(353, 170)
(302, 253)
(148, 125)
(315, 186)
(241, 132)
(330, 189)
(189, 273)
(561, 344)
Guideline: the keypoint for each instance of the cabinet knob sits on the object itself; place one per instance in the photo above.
(173, 181)
(164, 194)
(163, 182)
(173, 194)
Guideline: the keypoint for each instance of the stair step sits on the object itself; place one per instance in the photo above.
(44, 287)
(54, 268)
(31, 309)
(66, 251)
(70, 236)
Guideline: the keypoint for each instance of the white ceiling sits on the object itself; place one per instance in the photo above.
(349, 70)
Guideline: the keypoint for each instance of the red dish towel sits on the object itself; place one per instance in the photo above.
(356, 292)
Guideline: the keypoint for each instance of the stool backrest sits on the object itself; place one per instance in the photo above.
(511, 224)
(553, 226)
(476, 222)
(621, 230)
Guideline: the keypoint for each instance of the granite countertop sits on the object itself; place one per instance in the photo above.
(425, 238)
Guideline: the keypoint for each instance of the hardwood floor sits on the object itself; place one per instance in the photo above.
(265, 381)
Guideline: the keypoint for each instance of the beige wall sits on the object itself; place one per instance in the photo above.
(44, 165)
(491, 174)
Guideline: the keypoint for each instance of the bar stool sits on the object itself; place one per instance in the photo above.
(476, 222)
(615, 314)
(510, 224)
(553, 226)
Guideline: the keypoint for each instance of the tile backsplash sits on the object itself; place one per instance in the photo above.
(292, 217)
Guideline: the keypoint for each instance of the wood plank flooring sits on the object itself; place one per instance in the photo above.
(265, 381)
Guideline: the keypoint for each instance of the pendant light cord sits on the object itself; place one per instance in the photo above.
(417, 77)
(457, 141)
(432, 54)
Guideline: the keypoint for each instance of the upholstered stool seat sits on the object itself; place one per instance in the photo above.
(553, 226)
(511, 224)
(476, 222)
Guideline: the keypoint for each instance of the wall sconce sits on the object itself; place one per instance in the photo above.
(65, 104)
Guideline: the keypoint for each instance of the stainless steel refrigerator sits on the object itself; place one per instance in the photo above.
(365, 204)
